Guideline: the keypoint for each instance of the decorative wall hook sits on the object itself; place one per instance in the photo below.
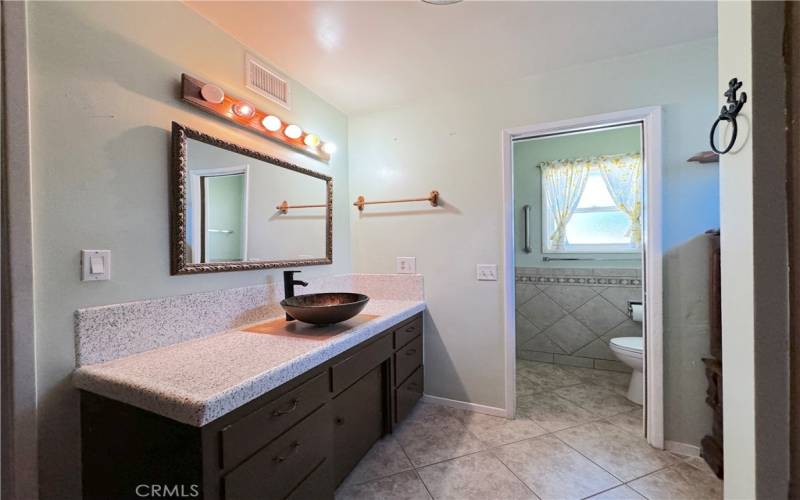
(728, 113)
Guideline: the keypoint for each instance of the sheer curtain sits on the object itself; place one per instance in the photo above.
(623, 177)
(563, 182)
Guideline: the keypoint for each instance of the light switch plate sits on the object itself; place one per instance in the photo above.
(406, 265)
(487, 272)
(95, 265)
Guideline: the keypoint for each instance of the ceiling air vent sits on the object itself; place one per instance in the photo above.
(262, 80)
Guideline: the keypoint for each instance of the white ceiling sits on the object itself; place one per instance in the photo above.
(362, 56)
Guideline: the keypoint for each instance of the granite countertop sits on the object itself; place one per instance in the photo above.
(200, 380)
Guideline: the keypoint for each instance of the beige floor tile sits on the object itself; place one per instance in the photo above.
(617, 451)
(526, 387)
(554, 470)
(631, 421)
(597, 400)
(385, 458)
(700, 464)
(615, 381)
(546, 376)
(479, 476)
(402, 486)
(496, 431)
(619, 493)
(679, 482)
(432, 434)
(552, 412)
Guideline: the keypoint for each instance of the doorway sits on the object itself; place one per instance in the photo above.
(217, 215)
(580, 198)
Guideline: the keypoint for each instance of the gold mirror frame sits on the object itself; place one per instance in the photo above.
(177, 182)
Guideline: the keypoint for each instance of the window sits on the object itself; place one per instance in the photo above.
(596, 225)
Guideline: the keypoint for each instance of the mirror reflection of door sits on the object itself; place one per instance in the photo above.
(223, 213)
(218, 215)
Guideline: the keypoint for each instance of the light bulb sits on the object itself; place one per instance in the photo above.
(329, 148)
(212, 93)
(293, 131)
(244, 109)
(311, 140)
(272, 123)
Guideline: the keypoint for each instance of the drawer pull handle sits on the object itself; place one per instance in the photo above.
(295, 447)
(410, 329)
(278, 413)
(411, 351)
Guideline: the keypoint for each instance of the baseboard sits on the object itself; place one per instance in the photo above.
(463, 405)
(688, 450)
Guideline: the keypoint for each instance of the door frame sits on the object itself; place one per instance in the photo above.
(652, 257)
(195, 177)
(19, 466)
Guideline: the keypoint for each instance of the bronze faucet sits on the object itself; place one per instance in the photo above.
(288, 287)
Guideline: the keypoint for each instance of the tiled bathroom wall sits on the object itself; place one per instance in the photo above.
(568, 316)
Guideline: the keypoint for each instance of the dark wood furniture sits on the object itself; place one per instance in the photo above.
(298, 441)
(711, 444)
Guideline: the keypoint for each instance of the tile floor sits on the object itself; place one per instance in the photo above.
(575, 436)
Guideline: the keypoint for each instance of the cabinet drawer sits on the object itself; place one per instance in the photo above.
(277, 469)
(407, 394)
(358, 421)
(407, 359)
(245, 436)
(407, 332)
(344, 373)
(317, 486)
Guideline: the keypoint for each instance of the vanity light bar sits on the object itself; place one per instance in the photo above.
(214, 100)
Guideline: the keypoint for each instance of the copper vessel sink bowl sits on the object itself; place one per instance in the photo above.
(324, 308)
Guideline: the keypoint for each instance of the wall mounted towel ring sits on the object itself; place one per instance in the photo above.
(728, 113)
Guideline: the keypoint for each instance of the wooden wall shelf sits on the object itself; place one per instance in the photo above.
(705, 157)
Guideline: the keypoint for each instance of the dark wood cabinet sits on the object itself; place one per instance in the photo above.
(299, 441)
(291, 457)
(358, 420)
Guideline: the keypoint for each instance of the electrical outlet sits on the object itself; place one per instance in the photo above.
(487, 272)
(406, 265)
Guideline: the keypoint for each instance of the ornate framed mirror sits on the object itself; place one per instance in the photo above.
(236, 209)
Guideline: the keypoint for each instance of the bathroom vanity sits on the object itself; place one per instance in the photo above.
(297, 440)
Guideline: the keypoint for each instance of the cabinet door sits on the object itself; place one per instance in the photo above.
(274, 471)
(358, 421)
(408, 393)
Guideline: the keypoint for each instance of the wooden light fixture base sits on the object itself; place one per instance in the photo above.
(190, 92)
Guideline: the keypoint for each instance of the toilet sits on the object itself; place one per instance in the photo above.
(629, 351)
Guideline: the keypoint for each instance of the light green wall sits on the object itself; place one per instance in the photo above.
(104, 80)
(451, 142)
(528, 187)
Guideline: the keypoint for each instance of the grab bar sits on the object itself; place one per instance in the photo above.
(545, 258)
(223, 231)
(526, 211)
